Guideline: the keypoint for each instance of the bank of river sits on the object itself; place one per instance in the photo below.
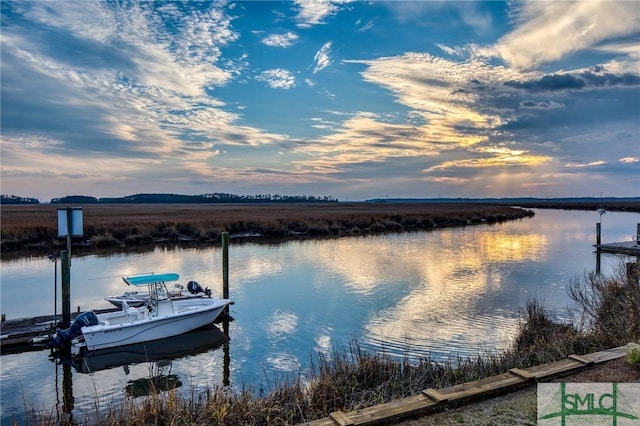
(32, 229)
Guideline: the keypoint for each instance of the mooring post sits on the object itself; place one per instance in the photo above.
(225, 265)
(598, 240)
(638, 234)
(66, 288)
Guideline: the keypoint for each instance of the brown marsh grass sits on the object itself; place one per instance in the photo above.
(33, 228)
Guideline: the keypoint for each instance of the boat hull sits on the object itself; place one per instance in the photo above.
(135, 325)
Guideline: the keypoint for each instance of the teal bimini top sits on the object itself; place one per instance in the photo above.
(150, 278)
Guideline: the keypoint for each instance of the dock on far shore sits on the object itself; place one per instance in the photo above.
(630, 248)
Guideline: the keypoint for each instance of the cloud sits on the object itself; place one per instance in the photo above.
(321, 58)
(314, 12)
(548, 31)
(540, 105)
(578, 81)
(630, 160)
(580, 166)
(278, 78)
(280, 40)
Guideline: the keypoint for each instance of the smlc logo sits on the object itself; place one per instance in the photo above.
(588, 403)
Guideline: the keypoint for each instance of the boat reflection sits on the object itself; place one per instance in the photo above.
(192, 343)
(160, 380)
(158, 354)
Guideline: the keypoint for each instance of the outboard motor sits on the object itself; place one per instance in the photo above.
(195, 288)
(63, 337)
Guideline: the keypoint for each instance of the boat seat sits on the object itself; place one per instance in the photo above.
(134, 314)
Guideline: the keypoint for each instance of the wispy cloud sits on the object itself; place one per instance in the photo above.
(321, 58)
(314, 12)
(278, 78)
(547, 31)
(280, 40)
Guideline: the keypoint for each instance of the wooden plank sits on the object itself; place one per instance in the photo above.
(580, 359)
(607, 355)
(393, 411)
(326, 421)
(484, 388)
(341, 418)
(524, 374)
(434, 395)
(556, 368)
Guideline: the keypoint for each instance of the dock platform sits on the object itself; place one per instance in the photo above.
(630, 248)
(16, 334)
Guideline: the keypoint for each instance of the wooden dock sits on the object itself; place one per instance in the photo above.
(16, 335)
(430, 401)
(630, 248)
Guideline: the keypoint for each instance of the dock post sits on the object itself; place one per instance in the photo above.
(66, 288)
(225, 265)
(598, 240)
(638, 234)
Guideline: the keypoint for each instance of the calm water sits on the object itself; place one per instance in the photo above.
(446, 293)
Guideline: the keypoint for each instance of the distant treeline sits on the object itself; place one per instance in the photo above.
(14, 199)
(174, 198)
(631, 204)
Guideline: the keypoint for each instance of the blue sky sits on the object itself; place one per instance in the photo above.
(354, 100)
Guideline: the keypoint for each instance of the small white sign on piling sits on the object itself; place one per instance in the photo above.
(70, 218)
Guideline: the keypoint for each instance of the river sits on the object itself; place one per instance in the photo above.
(445, 293)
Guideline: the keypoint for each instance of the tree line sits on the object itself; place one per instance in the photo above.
(173, 198)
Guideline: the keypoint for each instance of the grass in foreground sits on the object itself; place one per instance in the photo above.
(352, 378)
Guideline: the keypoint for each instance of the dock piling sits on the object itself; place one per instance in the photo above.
(225, 265)
(66, 288)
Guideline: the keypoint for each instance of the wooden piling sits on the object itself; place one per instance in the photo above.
(66, 288)
(225, 265)
(598, 251)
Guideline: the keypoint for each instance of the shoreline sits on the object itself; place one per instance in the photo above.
(31, 230)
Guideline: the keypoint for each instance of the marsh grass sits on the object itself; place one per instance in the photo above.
(34, 227)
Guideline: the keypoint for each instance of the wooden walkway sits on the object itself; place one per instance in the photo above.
(433, 400)
(16, 335)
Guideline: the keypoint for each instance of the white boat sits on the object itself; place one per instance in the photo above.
(139, 298)
(158, 318)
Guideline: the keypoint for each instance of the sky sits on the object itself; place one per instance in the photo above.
(352, 100)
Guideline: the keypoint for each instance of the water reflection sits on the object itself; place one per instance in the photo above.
(192, 343)
(156, 357)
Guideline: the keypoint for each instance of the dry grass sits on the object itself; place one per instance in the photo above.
(29, 229)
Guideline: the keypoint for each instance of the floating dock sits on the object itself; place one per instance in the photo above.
(630, 248)
(16, 335)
